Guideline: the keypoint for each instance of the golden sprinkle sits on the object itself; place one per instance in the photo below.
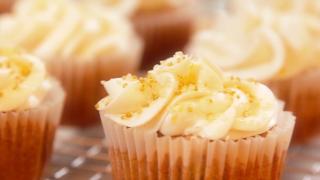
(126, 115)
(124, 85)
(209, 116)
(169, 64)
(155, 96)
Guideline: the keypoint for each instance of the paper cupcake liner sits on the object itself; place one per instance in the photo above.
(81, 80)
(301, 94)
(26, 138)
(164, 33)
(143, 155)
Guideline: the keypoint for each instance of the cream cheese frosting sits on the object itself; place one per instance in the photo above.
(24, 82)
(65, 28)
(123, 7)
(262, 39)
(187, 96)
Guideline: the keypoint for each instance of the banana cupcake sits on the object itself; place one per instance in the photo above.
(31, 104)
(276, 43)
(187, 120)
(165, 25)
(80, 43)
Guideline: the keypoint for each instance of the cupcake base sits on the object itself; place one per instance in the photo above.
(145, 155)
(301, 96)
(81, 80)
(26, 138)
(164, 32)
(6, 5)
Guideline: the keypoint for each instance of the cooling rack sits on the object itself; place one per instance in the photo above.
(82, 155)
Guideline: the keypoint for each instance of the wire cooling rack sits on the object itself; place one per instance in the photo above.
(82, 155)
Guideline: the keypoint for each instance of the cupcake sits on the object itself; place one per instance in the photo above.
(80, 44)
(273, 42)
(5, 5)
(187, 120)
(31, 104)
(165, 25)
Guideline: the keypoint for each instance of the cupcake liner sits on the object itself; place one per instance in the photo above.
(26, 137)
(301, 95)
(144, 155)
(81, 81)
(164, 32)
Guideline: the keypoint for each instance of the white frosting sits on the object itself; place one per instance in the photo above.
(64, 28)
(262, 39)
(184, 96)
(130, 7)
(23, 81)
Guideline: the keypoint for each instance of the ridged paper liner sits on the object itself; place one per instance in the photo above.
(144, 155)
(26, 137)
(164, 32)
(301, 94)
(81, 80)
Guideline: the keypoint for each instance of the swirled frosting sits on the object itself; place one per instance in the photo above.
(65, 28)
(262, 39)
(23, 81)
(185, 96)
(123, 7)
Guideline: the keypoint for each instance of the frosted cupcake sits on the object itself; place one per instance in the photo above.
(30, 109)
(165, 25)
(80, 44)
(187, 120)
(274, 43)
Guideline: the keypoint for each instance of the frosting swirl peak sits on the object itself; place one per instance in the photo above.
(262, 39)
(64, 29)
(185, 96)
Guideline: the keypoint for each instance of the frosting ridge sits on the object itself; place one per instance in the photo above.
(23, 81)
(64, 28)
(262, 39)
(186, 96)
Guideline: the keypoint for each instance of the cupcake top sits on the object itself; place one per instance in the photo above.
(261, 40)
(185, 96)
(64, 29)
(24, 81)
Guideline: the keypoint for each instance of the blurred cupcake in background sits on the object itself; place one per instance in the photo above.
(165, 25)
(275, 42)
(187, 120)
(31, 104)
(80, 44)
(6, 5)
